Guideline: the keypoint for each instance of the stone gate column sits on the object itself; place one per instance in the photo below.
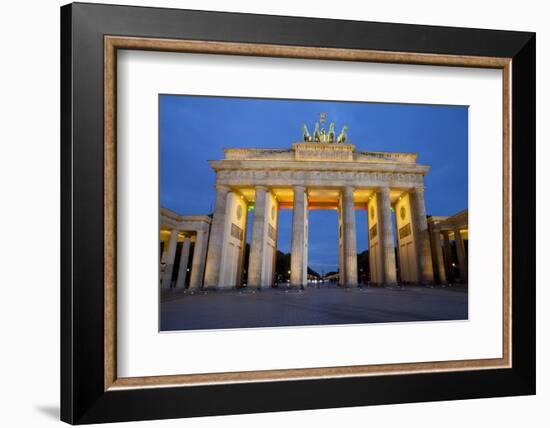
(274, 261)
(164, 252)
(350, 238)
(243, 249)
(184, 261)
(217, 232)
(198, 262)
(341, 258)
(438, 253)
(461, 256)
(257, 238)
(169, 261)
(448, 255)
(386, 237)
(424, 257)
(306, 241)
(297, 255)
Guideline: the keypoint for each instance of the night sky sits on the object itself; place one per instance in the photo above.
(196, 129)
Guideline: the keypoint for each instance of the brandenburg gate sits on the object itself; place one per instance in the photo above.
(320, 172)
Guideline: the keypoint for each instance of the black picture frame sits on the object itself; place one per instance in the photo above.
(83, 398)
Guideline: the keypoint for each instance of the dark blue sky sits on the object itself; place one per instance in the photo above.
(196, 129)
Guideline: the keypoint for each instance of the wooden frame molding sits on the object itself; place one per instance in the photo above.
(113, 43)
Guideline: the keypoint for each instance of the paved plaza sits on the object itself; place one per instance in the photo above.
(326, 305)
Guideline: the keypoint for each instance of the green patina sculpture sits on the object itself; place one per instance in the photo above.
(331, 133)
(322, 136)
(307, 135)
(316, 135)
(342, 136)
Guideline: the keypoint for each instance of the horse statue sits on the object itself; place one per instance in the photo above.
(316, 135)
(331, 133)
(342, 136)
(307, 136)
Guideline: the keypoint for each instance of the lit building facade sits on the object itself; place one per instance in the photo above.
(449, 243)
(313, 175)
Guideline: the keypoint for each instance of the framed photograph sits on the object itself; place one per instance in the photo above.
(266, 213)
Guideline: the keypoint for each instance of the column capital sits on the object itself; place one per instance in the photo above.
(298, 188)
(222, 188)
(418, 189)
(260, 187)
(348, 190)
(384, 189)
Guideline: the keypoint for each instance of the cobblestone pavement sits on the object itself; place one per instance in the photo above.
(313, 306)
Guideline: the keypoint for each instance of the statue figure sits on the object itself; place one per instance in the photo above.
(316, 135)
(307, 136)
(331, 133)
(323, 135)
(342, 136)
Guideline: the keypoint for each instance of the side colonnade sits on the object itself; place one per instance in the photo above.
(449, 238)
(183, 230)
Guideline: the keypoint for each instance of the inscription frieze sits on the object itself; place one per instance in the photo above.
(312, 178)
